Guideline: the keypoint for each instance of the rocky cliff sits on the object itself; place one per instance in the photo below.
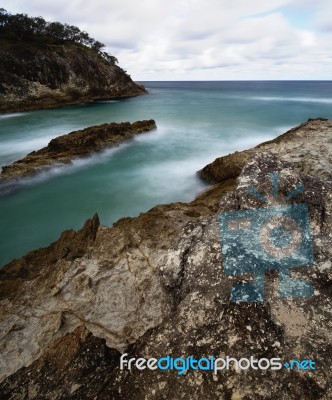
(78, 144)
(39, 75)
(156, 285)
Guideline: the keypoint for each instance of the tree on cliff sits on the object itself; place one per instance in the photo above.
(22, 28)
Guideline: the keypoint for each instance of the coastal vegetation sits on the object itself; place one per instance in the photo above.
(23, 28)
(48, 64)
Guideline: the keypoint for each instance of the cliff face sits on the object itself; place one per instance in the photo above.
(38, 75)
(156, 285)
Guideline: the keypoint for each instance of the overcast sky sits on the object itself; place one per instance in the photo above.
(203, 39)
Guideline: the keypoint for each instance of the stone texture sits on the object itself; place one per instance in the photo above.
(63, 149)
(318, 148)
(155, 285)
(37, 75)
(78, 359)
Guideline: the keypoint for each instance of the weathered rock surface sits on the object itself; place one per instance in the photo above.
(317, 136)
(155, 285)
(63, 149)
(37, 75)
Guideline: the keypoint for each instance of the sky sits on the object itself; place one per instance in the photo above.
(203, 39)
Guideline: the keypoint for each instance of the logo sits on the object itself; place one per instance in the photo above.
(276, 237)
(210, 363)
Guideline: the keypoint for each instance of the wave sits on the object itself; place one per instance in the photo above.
(106, 101)
(12, 150)
(60, 169)
(163, 180)
(172, 156)
(293, 99)
(175, 172)
(12, 115)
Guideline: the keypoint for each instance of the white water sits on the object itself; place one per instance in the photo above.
(197, 122)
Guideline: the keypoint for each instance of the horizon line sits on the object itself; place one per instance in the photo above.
(235, 80)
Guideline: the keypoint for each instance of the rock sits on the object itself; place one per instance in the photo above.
(315, 132)
(75, 356)
(156, 285)
(225, 167)
(63, 149)
(40, 75)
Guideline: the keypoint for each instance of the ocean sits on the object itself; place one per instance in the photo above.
(197, 122)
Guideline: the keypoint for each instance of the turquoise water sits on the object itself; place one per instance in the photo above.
(197, 122)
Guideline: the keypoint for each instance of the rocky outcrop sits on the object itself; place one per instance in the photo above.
(63, 149)
(316, 134)
(156, 285)
(40, 75)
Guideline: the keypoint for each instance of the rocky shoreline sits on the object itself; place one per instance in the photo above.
(155, 285)
(36, 76)
(230, 166)
(78, 144)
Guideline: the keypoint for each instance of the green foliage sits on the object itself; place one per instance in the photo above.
(109, 58)
(22, 28)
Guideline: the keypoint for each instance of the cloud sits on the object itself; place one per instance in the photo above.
(211, 39)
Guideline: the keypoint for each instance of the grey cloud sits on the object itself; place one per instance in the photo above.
(199, 35)
(121, 44)
(154, 37)
(327, 26)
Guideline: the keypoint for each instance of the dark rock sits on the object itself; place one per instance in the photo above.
(226, 167)
(63, 149)
(76, 360)
(35, 75)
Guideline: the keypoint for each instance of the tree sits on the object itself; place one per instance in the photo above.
(109, 57)
(85, 39)
(21, 27)
(4, 15)
(97, 46)
(39, 25)
(56, 30)
(73, 33)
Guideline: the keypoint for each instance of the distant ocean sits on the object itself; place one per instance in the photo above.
(197, 122)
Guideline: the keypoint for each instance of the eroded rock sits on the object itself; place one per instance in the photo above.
(308, 146)
(40, 75)
(155, 285)
(78, 144)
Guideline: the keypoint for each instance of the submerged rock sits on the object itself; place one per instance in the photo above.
(156, 285)
(63, 149)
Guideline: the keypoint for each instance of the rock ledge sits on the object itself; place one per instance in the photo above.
(77, 144)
